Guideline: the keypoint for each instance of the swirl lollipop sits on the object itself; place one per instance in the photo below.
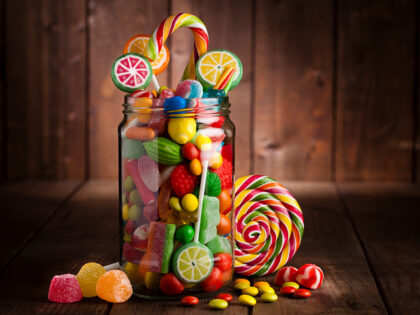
(269, 225)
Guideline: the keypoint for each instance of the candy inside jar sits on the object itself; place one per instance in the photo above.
(176, 186)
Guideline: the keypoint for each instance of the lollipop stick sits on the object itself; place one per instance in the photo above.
(224, 78)
(155, 83)
(205, 165)
(115, 265)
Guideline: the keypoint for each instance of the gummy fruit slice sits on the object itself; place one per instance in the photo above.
(192, 263)
(137, 44)
(131, 72)
(210, 67)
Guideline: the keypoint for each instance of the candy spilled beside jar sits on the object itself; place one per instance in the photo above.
(176, 178)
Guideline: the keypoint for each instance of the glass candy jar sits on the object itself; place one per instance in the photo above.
(170, 245)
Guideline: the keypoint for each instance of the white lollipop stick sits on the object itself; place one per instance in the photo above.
(205, 165)
(155, 83)
(115, 265)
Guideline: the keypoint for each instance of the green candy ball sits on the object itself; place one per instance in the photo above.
(184, 234)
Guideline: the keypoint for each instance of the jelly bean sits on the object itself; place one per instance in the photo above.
(189, 151)
(184, 234)
(203, 142)
(135, 198)
(175, 204)
(241, 285)
(269, 297)
(302, 294)
(133, 213)
(125, 212)
(189, 300)
(224, 225)
(224, 296)
(190, 202)
(218, 304)
(241, 280)
(253, 291)
(258, 284)
(195, 167)
(247, 300)
(287, 290)
(291, 284)
(225, 201)
(128, 183)
(266, 289)
(163, 88)
(216, 160)
(127, 238)
(140, 133)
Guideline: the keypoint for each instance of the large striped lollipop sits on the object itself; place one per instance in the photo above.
(170, 25)
(269, 225)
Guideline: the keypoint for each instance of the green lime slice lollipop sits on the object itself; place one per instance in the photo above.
(192, 262)
(131, 72)
(211, 65)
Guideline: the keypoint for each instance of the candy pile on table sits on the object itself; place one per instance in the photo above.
(177, 141)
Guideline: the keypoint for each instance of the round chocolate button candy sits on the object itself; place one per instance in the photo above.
(189, 300)
(269, 297)
(302, 294)
(253, 291)
(247, 300)
(224, 296)
(287, 290)
(291, 284)
(218, 304)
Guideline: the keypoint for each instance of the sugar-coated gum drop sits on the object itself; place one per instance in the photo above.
(247, 300)
(88, 276)
(64, 289)
(218, 304)
(114, 286)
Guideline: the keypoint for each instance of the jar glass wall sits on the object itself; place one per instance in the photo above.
(167, 248)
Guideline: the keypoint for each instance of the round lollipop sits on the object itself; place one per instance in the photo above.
(131, 72)
(137, 44)
(269, 225)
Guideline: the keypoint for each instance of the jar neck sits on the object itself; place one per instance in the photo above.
(196, 107)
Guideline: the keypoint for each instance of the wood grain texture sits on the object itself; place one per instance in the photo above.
(293, 86)
(375, 90)
(111, 24)
(329, 241)
(386, 218)
(86, 229)
(229, 24)
(46, 89)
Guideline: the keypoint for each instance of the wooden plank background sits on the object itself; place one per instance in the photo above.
(330, 87)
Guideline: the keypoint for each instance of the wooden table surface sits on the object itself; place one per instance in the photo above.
(364, 236)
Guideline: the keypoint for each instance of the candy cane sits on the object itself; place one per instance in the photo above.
(170, 25)
(269, 225)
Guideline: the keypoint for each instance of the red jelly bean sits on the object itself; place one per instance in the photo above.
(302, 293)
(224, 296)
(189, 300)
(287, 290)
(190, 151)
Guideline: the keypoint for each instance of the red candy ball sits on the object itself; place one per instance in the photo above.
(224, 296)
(189, 151)
(213, 282)
(287, 290)
(285, 274)
(302, 294)
(170, 285)
(223, 261)
(310, 276)
(189, 300)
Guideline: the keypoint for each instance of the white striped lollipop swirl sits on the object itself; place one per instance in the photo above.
(269, 225)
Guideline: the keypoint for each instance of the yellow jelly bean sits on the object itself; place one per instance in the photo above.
(291, 284)
(203, 142)
(266, 289)
(258, 284)
(162, 88)
(216, 160)
(250, 291)
(269, 297)
(152, 280)
(127, 238)
(247, 300)
(195, 167)
(175, 204)
(125, 212)
(132, 271)
(190, 202)
(218, 304)
(241, 285)
(242, 280)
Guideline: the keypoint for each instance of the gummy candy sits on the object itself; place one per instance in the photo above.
(210, 218)
(114, 286)
(214, 93)
(219, 244)
(87, 276)
(132, 149)
(64, 289)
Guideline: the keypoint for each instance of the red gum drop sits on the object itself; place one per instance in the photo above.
(287, 290)
(189, 300)
(224, 296)
(302, 294)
